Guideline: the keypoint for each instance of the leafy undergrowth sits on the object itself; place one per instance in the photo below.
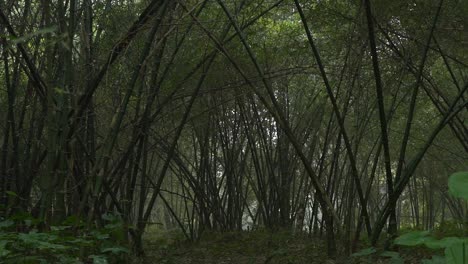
(239, 247)
(257, 247)
(398, 255)
(21, 242)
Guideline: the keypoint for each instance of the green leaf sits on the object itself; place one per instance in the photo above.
(395, 257)
(98, 259)
(11, 193)
(113, 226)
(59, 228)
(397, 260)
(434, 260)
(6, 223)
(413, 238)
(51, 246)
(3, 251)
(27, 259)
(69, 259)
(115, 250)
(390, 254)
(365, 252)
(458, 184)
(31, 237)
(42, 241)
(80, 241)
(443, 243)
(457, 253)
(100, 236)
(110, 217)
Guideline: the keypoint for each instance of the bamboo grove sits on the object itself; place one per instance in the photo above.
(336, 118)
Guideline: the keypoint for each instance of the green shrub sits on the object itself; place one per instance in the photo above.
(455, 248)
(451, 228)
(67, 243)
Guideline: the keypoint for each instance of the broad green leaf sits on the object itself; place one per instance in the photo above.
(6, 223)
(395, 257)
(42, 241)
(100, 236)
(28, 222)
(11, 193)
(27, 259)
(36, 236)
(413, 238)
(457, 253)
(110, 217)
(59, 228)
(443, 243)
(3, 251)
(115, 250)
(397, 260)
(98, 259)
(51, 246)
(434, 260)
(32, 237)
(365, 252)
(113, 226)
(69, 259)
(390, 254)
(458, 184)
(80, 241)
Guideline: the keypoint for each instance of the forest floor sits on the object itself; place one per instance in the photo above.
(259, 247)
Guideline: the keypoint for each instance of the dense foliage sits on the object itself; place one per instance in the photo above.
(21, 242)
(455, 247)
(339, 119)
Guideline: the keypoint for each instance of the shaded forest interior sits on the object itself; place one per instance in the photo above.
(332, 124)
